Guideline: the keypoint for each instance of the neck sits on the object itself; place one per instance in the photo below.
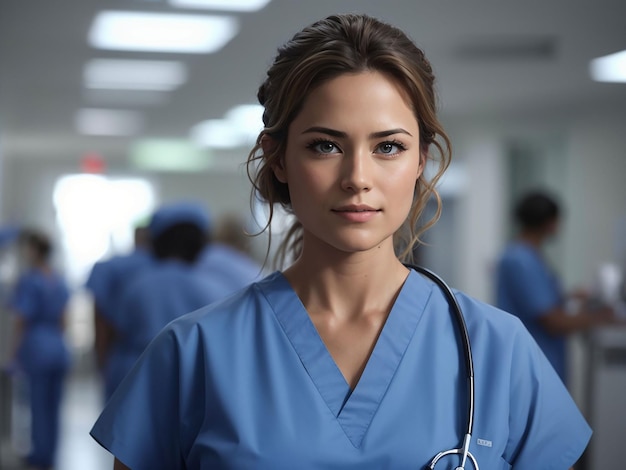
(534, 239)
(347, 284)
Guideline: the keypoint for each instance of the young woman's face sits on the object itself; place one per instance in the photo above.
(351, 163)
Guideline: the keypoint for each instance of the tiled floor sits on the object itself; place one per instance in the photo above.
(77, 450)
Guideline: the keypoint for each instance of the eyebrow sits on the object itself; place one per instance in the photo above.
(340, 134)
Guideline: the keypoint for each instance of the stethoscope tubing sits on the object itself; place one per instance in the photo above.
(469, 366)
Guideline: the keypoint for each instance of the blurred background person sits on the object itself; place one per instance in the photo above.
(8, 234)
(38, 302)
(227, 256)
(529, 288)
(169, 288)
(106, 282)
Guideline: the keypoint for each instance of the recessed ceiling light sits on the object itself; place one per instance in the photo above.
(239, 128)
(216, 133)
(229, 5)
(127, 74)
(108, 122)
(609, 68)
(161, 32)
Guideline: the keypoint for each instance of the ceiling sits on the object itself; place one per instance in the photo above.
(492, 58)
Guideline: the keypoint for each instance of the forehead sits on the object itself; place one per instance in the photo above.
(369, 99)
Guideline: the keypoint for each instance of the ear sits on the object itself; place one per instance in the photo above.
(423, 160)
(268, 144)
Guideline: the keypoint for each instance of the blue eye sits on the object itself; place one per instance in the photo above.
(323, 147)
(391, 148)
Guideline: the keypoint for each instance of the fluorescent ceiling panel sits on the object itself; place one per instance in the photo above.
(609, 68)
(127, 74)
(228, 5)
(108, 122)
(169, 155)
(247, 119)
(216, 133)
(161, 32)
(239, 128)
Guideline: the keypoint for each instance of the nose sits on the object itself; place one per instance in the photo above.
(357, 171)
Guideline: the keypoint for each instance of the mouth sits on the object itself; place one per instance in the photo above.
(356, 208)
(356, 213)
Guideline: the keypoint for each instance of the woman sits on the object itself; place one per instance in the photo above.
(347, 359)
(38, 302)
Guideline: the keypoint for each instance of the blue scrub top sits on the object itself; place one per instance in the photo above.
(528, 288)
(40, 299)
(108, 279)
(230, 267)
(248, 383)
(158, 295)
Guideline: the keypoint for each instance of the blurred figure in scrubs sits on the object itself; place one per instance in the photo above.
(170, 287)
(227, 257)
(106, 282)
(348, 359)
(528, 287)
(39, 301)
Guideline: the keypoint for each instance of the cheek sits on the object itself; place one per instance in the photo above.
(306, 182)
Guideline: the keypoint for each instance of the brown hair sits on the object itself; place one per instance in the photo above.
(334, 46)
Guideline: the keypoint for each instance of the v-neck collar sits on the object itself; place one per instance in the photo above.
(354, 409)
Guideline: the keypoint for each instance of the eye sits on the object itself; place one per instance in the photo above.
(323, 147)
(391, 148)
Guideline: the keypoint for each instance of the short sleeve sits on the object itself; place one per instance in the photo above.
(141, 423)
(545, 423)
(23, 300)
(98, 283)
(530, 284)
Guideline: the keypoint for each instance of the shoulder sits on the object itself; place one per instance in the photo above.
(480, 314)
(518, 254)
(244, 305)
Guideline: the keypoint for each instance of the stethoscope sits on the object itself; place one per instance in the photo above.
(463, 451)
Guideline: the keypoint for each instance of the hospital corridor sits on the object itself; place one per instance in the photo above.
(188, 186)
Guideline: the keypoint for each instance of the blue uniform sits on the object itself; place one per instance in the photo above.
(40, 299)
(108, 278)
(107, 281)
(232, 269)
(527, 288)
(248, 383)
(158, 295)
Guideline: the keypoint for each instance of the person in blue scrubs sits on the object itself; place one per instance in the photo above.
(169, 288)
(107, 281)
(345, 359)
(529, 288)
(234, 269)
(39, 301)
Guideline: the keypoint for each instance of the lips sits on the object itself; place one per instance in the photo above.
(355, 208)
(356, 213)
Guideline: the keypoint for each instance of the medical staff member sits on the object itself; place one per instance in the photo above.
(107, 281)
(169, 288)
(347, 359)
(39, 302)
(529, 288)
(234, 268)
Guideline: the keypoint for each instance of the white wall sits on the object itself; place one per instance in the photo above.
(596, 195)
(481, 208)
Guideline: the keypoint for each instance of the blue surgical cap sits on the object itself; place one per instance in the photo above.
(169, 215)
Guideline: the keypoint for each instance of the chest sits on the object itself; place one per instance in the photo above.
(350, 343)
(287, 401)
